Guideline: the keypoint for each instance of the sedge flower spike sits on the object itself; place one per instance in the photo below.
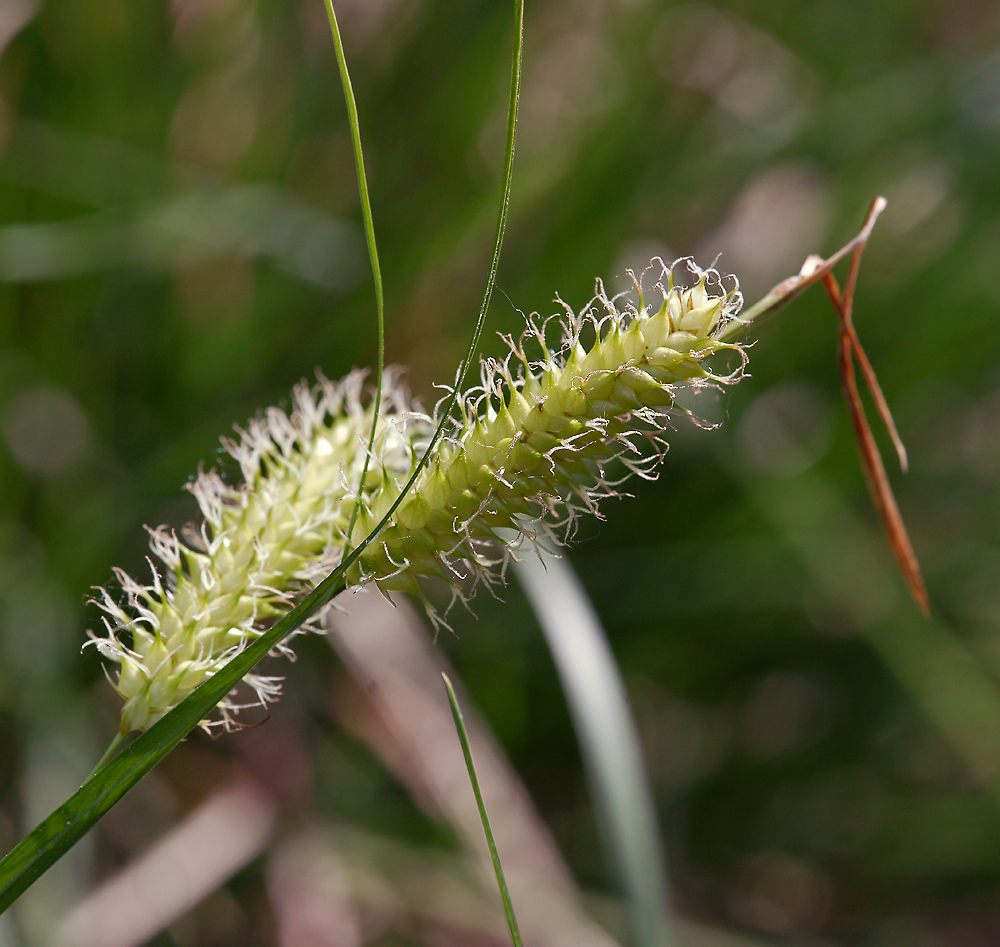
(539, 442)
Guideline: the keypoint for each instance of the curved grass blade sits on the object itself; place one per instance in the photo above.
(608, 739)
(508, 172)
(508, 907)
(64, 828)
(43, 847)
(366, 214)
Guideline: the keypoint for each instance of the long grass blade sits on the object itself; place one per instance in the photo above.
(508, 173)
(366, 215)
(463, 737)
(608, 739)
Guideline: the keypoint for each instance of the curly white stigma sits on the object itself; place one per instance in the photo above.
(533, 449)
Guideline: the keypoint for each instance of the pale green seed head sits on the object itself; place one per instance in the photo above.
(539, 443)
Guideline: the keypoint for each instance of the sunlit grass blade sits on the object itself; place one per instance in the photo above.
(463, 737)
(108, 784)
(608, 739)
(366, 215)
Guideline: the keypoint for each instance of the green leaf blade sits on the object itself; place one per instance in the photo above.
(463, 738)
(57, 834)
(608, 738)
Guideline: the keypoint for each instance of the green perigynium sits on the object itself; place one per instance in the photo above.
(538, 442)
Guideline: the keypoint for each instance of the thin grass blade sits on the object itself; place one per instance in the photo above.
(366, 215)
(463, 737)
(608, 739)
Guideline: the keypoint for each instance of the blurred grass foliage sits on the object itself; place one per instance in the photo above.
(180, 243)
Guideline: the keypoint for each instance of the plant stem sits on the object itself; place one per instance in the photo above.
(108, 753)
(366, 214)
(463, 737)
(813, 270)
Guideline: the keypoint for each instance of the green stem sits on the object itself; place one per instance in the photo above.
(758, 312)
(57, 834)
(814, 269)
(463, 737)
(366, 214)
(109, 752)
(508, 172)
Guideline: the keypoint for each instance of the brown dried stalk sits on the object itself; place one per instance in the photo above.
(849, 349)
(813, 270)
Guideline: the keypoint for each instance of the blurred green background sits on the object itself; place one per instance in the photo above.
(180, 244)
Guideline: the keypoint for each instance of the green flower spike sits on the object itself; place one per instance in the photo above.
(535, 445)
(539, 442)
